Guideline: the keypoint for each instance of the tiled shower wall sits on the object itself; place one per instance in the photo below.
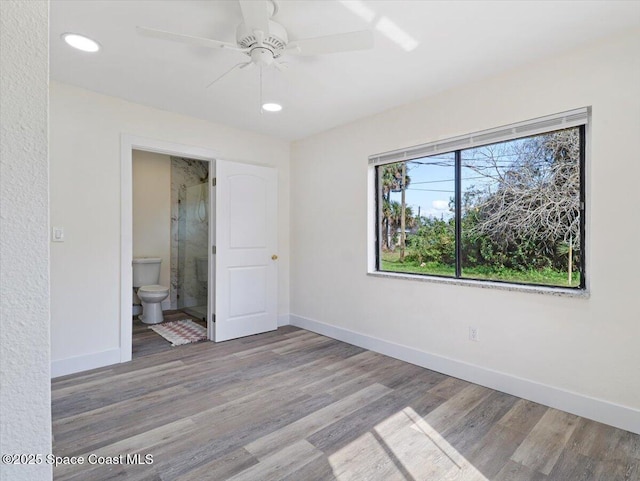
(189, 230)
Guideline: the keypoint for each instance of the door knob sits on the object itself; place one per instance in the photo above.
(274, 257)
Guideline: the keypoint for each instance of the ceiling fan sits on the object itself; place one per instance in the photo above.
(264, 40)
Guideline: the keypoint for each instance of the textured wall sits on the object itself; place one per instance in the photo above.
(25, 397)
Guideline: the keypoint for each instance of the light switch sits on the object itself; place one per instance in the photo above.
(57, 234)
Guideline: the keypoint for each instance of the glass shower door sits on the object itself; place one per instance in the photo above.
(193, 241)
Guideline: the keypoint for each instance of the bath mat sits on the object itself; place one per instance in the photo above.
(181, 332)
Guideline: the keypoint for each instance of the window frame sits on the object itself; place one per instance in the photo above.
(579, 118)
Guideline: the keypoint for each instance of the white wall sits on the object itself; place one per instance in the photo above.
(86, 130)
(25, 393)
(152, 209)
(585, 346)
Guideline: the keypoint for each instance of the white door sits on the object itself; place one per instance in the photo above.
(246, 265)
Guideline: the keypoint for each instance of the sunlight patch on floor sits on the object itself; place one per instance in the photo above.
(403, 447)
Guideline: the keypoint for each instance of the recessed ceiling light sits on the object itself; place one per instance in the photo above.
(271, 107)
(81, 42)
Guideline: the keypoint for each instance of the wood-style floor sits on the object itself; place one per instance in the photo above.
(145, 341)
(293, 405)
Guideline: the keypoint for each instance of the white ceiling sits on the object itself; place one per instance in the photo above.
(458, 42)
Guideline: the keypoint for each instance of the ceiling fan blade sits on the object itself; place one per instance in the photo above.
(255, 14)
(241, 65)
(341, 42)
(188, 39)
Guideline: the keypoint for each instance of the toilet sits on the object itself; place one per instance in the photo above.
(146, 275)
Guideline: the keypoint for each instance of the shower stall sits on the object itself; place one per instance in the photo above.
(190, 236)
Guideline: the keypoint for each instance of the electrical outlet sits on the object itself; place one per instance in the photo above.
(474, 334)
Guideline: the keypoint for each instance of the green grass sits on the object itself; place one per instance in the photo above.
(391, 262)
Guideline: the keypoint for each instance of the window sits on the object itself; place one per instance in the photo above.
(505, 205)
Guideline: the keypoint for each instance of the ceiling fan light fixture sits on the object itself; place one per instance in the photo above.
(81, 42)
(271, 107)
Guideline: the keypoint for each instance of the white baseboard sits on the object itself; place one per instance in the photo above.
(71, 365)
(283, 320)
(596, 409)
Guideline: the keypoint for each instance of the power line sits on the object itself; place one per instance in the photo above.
(448, 180)
(431, 190)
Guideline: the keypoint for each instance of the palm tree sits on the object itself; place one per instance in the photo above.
(394, 216)
(391, 176)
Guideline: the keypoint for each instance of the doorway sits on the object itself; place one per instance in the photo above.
(128, 145)
(171, 225)
(242, 236)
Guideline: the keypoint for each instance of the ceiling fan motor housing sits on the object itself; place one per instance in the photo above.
(275, 40)
(261, 56)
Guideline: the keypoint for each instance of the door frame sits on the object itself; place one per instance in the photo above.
(128, 143)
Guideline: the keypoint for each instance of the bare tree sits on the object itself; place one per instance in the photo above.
(533, 190)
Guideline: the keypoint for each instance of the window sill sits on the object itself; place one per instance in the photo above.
(503, 286)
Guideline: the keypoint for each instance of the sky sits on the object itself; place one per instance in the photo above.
(432, 184)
